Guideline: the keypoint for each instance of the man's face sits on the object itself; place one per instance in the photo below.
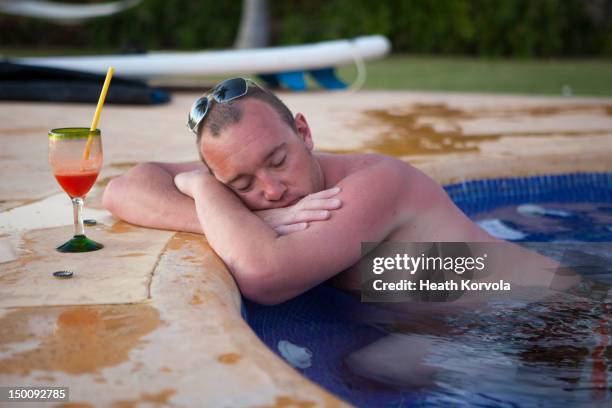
(262, 159)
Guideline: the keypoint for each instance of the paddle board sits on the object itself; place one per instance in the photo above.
(225, 62)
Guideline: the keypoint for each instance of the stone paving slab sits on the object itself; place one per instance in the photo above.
(119, 273)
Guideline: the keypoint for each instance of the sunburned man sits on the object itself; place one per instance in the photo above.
(282, 217)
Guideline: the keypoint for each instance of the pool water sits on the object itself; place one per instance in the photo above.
(551, 222)
(553, 353)
(541, 209)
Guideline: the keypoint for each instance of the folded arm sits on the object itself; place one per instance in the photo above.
(270, 268)
(146, 195)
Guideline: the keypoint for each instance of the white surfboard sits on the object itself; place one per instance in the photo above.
(66, 13)
(225, 62)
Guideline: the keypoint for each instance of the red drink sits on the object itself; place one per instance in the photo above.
(77, 184)
(75, 155)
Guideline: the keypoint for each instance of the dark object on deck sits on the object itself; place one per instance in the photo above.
(19, 82)
(90, 222)
(63, 274)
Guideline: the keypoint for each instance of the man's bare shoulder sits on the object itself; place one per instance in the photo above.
(371, 183)
(363, 166)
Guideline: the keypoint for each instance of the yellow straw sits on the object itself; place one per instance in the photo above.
(94, 123)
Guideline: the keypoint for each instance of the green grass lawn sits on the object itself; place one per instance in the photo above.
(549, 77)
(586, 77)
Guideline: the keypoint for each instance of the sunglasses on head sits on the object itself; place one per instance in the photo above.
(225, 91)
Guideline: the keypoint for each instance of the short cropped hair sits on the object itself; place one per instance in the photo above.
(221, 115)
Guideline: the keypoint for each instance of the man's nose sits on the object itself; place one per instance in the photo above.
(273, 189)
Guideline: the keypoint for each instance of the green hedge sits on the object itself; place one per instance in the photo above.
(523, 28)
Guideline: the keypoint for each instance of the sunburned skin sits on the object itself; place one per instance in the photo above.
(268, 206)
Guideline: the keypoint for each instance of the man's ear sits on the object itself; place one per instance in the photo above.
(303, 130)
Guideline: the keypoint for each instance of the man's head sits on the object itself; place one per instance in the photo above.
(255, 146)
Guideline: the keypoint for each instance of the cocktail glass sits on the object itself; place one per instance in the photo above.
(76, 172)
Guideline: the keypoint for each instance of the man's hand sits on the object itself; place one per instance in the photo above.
(188, 181)
(313, 207)
(285, 220)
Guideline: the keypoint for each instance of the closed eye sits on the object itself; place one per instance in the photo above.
(279, 163)
(245, 188)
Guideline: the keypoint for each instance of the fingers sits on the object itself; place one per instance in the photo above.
(330, 192)
(310, 215)
(294, 217)
(322, 204)
(314, 207)
(321, 201)
(288, 229)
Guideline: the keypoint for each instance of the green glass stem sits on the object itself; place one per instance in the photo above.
(79, 243)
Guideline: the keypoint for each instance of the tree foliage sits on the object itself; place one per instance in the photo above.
(523, 28)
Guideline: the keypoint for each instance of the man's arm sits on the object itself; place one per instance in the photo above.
(270, 268)
(146, 195)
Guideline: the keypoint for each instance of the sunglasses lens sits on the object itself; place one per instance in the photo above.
(197, 113)
(230, 89)
(224, 92)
